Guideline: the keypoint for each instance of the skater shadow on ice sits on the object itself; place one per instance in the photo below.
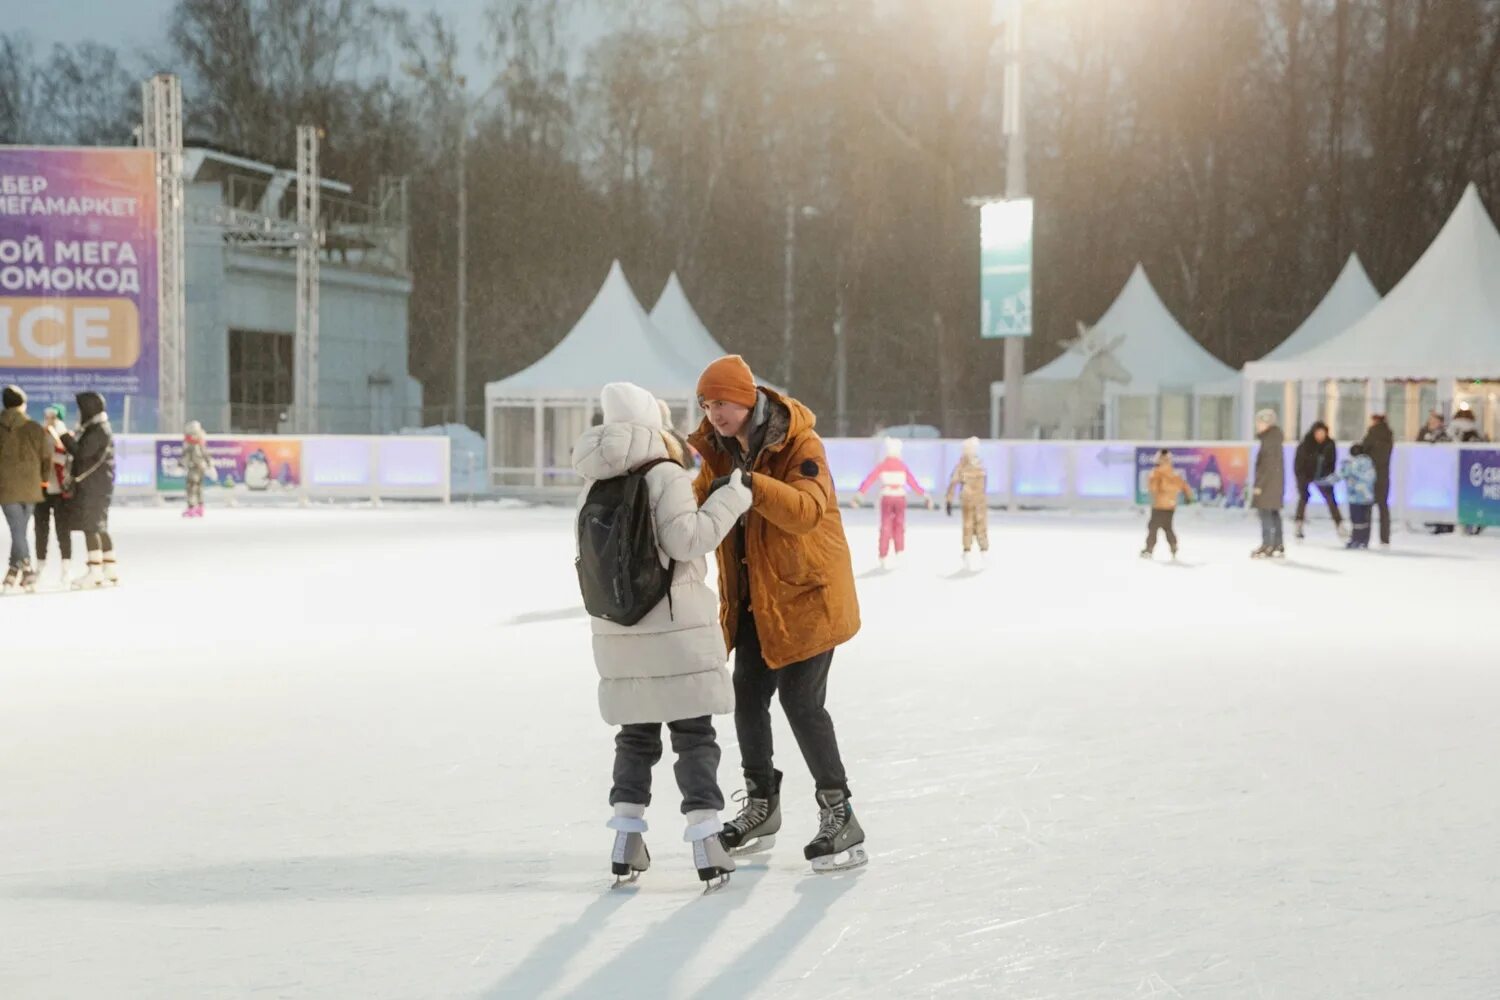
(1307, 567)
(545, 964)
(875, 573)
(280, 880)
(750, 973)
(651, 961)
(559, 615)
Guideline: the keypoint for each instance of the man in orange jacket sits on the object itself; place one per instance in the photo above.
(786, 600)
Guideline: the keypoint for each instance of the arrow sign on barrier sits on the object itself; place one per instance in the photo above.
(1115, 456)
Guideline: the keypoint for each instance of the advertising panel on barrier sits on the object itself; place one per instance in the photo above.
(1479, 486)
(255, 465)
(1218, 474)
(78, 276)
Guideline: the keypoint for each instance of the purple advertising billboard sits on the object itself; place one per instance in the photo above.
(78, 276)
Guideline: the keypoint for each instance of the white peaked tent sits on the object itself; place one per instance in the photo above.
(1177, 389)
(1434, 339)
(533, 417)
(1348, 300)
(681, 330)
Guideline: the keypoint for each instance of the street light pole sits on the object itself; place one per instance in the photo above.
(461, 333)
(788, 293)
(1015, 187)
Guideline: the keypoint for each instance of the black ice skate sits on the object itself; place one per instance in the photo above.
(839, 845)
(755, 828)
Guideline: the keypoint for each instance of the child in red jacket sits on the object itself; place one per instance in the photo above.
(895, 476)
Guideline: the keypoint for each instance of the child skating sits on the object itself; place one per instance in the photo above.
(1165, 485)
(196, 467)
(660, 652)
(1358, 473)
(971, 482)
(895, 477)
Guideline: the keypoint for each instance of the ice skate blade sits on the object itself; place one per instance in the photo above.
(621, 881)
(829, 864)
(714, 883)
(759, 845)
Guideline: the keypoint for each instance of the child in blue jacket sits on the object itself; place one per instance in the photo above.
(1358, 473)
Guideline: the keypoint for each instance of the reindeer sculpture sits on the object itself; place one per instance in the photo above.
(1071, 409)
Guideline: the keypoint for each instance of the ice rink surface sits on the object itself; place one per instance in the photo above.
(354, 753)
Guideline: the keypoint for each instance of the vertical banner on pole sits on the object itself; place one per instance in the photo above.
(78, 274)
(1005, 268)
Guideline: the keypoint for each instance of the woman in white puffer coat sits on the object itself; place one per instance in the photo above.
(670, 666)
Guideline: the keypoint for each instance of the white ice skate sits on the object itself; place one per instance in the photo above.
(93, 577)
(629, 857)
(111, 570)
(709, 856)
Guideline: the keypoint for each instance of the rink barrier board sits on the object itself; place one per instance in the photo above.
(1083, 475)
(332, 467)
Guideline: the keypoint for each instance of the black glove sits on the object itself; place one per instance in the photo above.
(949, 508)
(716, 484)
(745, 479)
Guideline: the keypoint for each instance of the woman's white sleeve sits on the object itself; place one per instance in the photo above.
(686, 531)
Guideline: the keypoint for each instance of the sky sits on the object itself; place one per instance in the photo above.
(140, 25)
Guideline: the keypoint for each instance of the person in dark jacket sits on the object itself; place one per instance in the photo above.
(1316, 459)
(24, 462)
(1270, 484)
(1379, 444)
(93, 489)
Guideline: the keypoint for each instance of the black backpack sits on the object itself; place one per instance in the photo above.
(619, 571)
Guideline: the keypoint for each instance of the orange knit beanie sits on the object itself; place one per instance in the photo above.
(728, 380)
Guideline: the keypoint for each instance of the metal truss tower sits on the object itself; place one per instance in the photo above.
(161, 106)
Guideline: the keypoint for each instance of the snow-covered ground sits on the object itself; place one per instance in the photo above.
(355, 754)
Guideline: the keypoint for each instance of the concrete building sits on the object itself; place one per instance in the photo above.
(242, 301)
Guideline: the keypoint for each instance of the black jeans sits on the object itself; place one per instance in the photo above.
(803, 687)
(1383, 504)
(1161, 520)
(49, 512)
(638, 748)
(1303, 492)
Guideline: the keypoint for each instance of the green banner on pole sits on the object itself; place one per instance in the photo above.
(1005, 268)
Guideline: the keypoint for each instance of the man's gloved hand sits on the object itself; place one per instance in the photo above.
(746, 480)
(716, 484)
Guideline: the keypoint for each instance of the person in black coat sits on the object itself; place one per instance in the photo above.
(92, 481)
(1379, 444)
(1317, 458)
